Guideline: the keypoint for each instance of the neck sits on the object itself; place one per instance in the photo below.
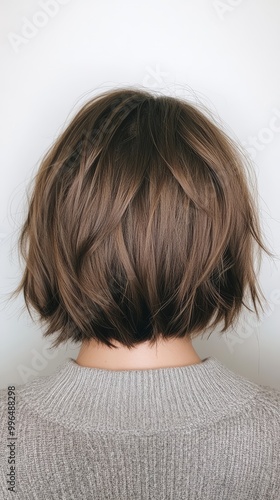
(165, 354)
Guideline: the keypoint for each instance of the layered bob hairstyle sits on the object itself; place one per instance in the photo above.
(141, 225)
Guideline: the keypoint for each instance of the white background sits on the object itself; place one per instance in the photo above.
(56, 54)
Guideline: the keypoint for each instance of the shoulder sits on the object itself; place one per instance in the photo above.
(258, 420)
(270, 396)
(266, 402)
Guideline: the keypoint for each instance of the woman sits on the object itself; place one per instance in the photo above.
(140, 236)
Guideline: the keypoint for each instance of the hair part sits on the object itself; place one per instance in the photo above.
(141, 225)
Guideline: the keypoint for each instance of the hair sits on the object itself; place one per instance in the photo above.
(141, 225)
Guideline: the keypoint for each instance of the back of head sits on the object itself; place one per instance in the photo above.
(141, 223)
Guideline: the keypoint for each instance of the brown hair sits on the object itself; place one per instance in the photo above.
(141, 224)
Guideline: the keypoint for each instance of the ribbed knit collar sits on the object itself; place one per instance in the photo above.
(150, 400)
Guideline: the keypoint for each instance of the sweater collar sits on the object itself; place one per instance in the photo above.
(149, 400)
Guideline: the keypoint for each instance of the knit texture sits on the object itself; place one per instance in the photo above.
(186, 433)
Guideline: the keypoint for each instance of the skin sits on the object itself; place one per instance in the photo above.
(168, 354)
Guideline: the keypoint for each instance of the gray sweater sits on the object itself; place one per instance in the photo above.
(193, 432)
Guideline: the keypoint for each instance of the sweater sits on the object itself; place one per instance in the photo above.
(197, 432)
